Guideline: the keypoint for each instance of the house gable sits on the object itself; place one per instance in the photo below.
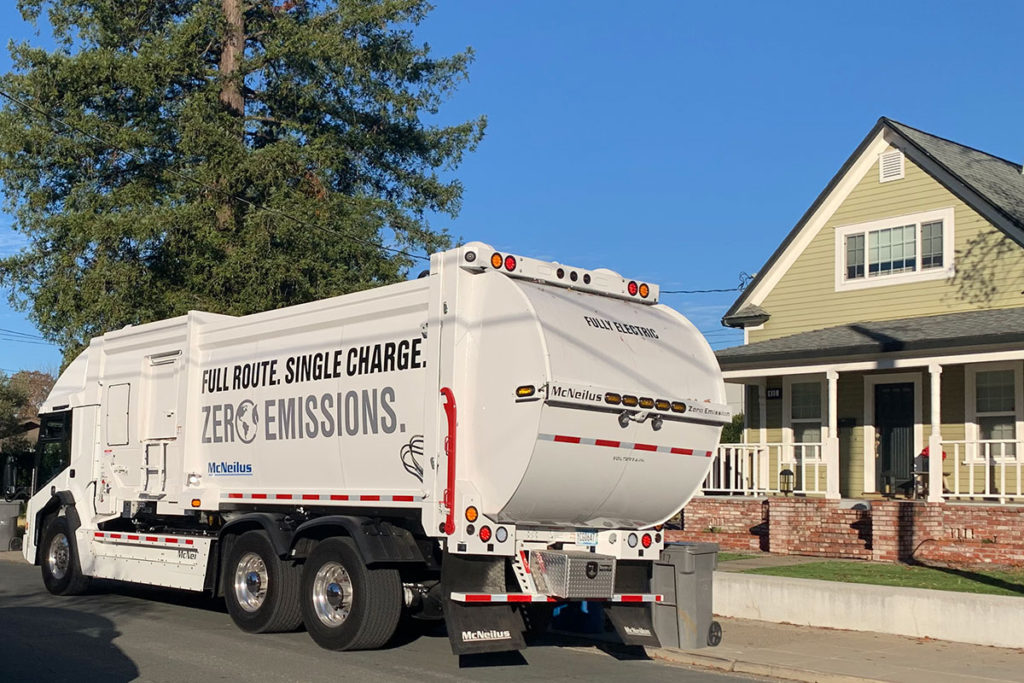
(801, 289)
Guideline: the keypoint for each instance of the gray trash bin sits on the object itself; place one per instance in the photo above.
(9, 512)
(684, 576)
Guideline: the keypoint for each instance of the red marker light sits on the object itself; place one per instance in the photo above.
(632, 288)
(485, 533)
(510, 263)
(646, 541)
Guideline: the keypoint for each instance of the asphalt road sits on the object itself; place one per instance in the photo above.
(120, 632)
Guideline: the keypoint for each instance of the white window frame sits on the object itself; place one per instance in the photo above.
(787, 411)
(947, 270)
(971, 428)
(870, 454)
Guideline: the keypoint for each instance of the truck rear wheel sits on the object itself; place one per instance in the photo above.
(345, 604)
(261, 590)
(62, 572)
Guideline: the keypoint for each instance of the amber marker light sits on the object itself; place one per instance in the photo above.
(646, 403)
(644, 290)
(678, 407)
(472, 514)
(612, 399)
(496, 260)
(630, 401)
(662, 404)
(526, 391)
(196, 502)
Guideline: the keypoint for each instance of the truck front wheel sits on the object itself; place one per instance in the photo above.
(261, 590)
(345, 604)
(62, 573)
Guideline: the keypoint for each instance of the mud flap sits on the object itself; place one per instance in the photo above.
(473, 629)
(633, 624)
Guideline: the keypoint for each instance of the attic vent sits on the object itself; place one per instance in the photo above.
(890, 166)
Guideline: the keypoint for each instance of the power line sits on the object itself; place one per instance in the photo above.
(184, 176)
(19, 334)
(745, 279)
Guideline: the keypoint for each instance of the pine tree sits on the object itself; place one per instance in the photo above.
(223, 155)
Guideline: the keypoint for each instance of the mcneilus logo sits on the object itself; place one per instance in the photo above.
(473, 636)
(229, 469)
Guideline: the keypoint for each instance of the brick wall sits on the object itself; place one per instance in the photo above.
(891, 531)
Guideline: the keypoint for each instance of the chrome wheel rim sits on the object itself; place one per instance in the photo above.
(332, 594)
(58, 556)
(251, 582)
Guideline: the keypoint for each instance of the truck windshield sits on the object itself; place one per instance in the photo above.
(53, 454)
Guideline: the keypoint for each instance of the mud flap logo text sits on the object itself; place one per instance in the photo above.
(472, 636)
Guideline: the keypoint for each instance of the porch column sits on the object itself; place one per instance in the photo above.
(935, 439)
(832, 441)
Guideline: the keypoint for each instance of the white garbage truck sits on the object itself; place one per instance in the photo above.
(495, 438)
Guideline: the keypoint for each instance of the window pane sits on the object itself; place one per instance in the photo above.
(854, 257)
(806, 401)
(892, 250)
(931, 245)
(753, 406)
(995, 391)
(807, 432)
(997, 429)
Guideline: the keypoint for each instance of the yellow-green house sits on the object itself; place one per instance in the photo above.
(888, 326)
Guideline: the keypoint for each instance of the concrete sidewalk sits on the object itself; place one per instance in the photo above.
(802, 653)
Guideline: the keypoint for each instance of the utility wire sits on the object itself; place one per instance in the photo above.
(184, 176)
(19, 334)
(745, 279)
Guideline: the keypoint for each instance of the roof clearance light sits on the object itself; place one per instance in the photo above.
(612, 399)
(485, 533)
(560, 273)
(526, 391)
(678, 407)
(574, 276)
(471, 514)
(630, 401)
(661, 404)
(646, 541)
(510, 263)
(631, 288)
(644, 290)
(496, 260)
(586, 278)
(646, 402)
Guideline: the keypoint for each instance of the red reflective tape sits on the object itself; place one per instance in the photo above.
(478, 598)
(708, 455)
(520, 598)
(188, 541)
(235, 495)
(310, 496)
(171, 540)
(132, 537)
(658, 598)
(259, 496)
(606, 442)
(403, 499)
(632, 598)
(115, 535)
(282, 496)
(682, 451)
(526, 563)
(338, 497)
(369, 497)
(152, 538)
(567, 439)
(98, 534)
(644, 447)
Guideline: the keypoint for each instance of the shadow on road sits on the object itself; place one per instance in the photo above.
(50, 644)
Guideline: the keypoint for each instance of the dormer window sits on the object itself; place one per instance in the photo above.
(895, 250)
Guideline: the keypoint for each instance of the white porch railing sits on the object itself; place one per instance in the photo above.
(983, 470)
(770, 468)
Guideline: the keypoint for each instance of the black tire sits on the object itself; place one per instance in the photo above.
(58, 557)
(261, 590)
(345, 604)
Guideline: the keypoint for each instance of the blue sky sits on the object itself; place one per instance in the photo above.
(679, 142)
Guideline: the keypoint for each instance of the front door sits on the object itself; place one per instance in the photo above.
(894, 436)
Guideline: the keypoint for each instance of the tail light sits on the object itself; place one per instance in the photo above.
(485, 534)
(645, 541)
(510, 263)
(632, 288)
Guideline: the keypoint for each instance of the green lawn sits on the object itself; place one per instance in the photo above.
(991, 581)
(729, 557)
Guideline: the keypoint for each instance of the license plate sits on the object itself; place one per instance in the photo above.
(586, 538)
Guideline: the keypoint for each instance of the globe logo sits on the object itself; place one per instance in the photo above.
(246, 421)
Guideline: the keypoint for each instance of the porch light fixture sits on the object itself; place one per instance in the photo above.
(786, 480)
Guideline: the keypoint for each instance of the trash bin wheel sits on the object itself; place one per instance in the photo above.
(714, 634)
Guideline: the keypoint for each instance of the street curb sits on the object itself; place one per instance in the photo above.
(753, 668)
